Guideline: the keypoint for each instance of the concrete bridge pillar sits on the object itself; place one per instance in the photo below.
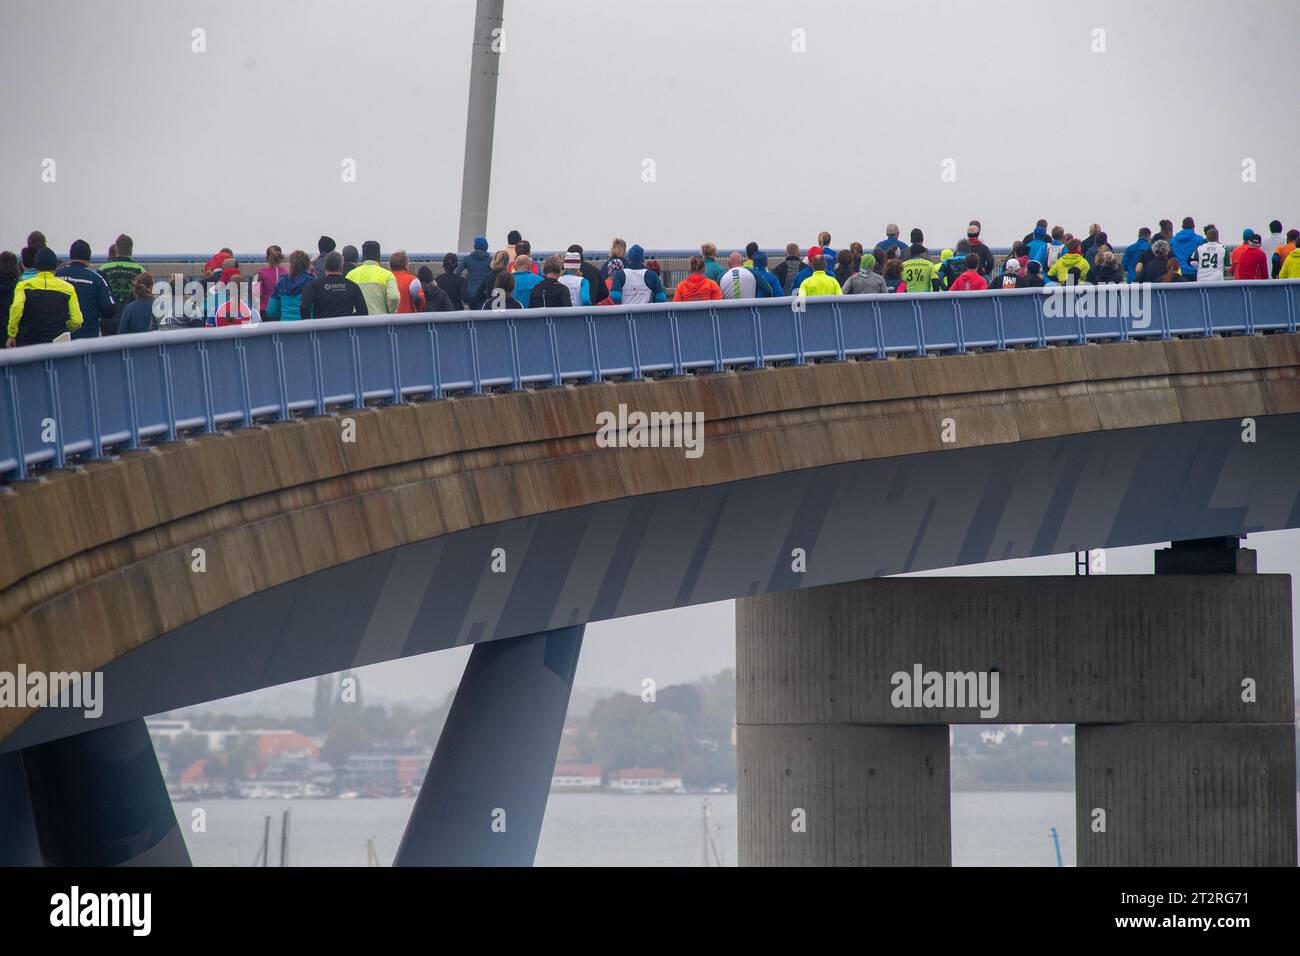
(484, 795)
(1180, 684)
(1205, 793)
(98, 799)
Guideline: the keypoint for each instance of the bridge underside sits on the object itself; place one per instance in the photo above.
(856, 520)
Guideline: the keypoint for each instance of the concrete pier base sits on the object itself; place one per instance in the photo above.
(484, 795)
(1179, 684)
(1186, 794)
(843, 795)
(98, 799)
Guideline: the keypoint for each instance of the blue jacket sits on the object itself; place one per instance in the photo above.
(1131, 256)
(636, 260)
(286, 300)
(92, 296)
(887, 244)
(524, 284)
(766, 278)
(477, 270)
(1184, 243)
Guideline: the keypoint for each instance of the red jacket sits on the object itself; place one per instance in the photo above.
(967, 281)
(1251, 263)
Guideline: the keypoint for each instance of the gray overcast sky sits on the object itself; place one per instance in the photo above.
(243, 145)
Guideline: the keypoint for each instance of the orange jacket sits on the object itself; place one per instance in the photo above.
(696, 287)
(404, 304)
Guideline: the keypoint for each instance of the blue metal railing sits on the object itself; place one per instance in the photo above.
(90, 396)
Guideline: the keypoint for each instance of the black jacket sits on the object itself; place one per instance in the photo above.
(454, 285)
(331, 297)
(549, 294)
(598, 291)
(435, 299)
(786, 271)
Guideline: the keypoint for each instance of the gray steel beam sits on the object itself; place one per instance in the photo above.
(480, 121)
(484, 795)
(19, 845)
(98, 799)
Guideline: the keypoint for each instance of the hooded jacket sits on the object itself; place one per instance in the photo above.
(1183, 244)
(970, 280)
(696, 287)
(774, 289)
(285, 304)
(866, 280)
(1131, 256)
(1290, 266)
(1071, 260)
(477, 270)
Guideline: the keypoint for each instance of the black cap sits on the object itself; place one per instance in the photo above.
(325, 244)
(80, 250)
(370, 250)
(46, 260)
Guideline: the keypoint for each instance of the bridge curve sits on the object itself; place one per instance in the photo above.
(322, 554)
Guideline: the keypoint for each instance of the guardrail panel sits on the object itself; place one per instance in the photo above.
(1230, 312)
(818, 325)
(939, 320)
(455, 362)
(111, 396)
(898, 324)
(1020, 318)
(736, 331)
(185, 362)
(69, 399)
(654, 341)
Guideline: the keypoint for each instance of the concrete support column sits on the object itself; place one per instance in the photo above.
(818, 785)
(1180, 685)
(843, 795)
(98, 799)
(485, 792)
(1212, 793)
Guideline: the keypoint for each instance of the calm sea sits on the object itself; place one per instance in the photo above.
(988, 829)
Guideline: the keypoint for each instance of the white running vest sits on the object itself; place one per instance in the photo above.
(635, 291)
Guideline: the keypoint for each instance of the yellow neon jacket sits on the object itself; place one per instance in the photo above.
(44, 307)
(378, 287)
(819, 283)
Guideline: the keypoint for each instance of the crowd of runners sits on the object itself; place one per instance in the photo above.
(45, 298)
